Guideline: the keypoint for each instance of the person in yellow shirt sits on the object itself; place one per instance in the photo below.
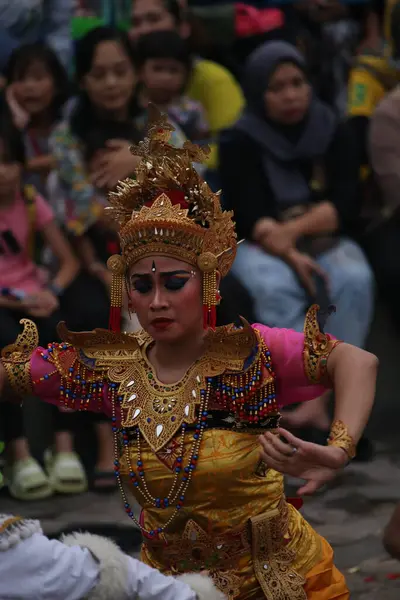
(373, 75)
(211, 84)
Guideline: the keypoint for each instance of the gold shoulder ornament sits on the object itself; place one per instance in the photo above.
(317, 347)
(16, 359)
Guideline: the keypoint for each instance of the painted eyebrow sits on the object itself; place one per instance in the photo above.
(163, 274)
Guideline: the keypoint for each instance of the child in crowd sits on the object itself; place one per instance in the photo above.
(40, 87)
(164, 68)
(28, 291)
(37, 92)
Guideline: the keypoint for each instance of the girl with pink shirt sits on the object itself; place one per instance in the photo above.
(38, 86)
(27, 291)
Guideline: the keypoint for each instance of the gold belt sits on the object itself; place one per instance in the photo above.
(196, 550)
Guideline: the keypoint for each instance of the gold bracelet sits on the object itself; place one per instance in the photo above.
(340, 437)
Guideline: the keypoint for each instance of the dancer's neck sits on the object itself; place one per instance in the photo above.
(172, 360)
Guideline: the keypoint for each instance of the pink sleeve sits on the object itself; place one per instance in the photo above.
(50, 384)
(44, 213)
(286, 348)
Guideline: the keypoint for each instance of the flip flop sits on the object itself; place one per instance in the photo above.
(26, 480)
(66, 472)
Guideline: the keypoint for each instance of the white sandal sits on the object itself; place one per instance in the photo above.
(66, 472)
(26, 480)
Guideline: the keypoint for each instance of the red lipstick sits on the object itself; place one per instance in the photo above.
(162, 323)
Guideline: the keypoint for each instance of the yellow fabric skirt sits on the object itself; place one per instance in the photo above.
(325, 581)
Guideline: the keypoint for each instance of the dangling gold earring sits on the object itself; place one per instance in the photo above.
(131, 310)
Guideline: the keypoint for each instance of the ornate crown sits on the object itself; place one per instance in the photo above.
(169, 209)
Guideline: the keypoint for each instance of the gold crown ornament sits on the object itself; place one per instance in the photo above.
(168, 209)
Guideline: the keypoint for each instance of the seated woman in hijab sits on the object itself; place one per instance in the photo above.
(290, 174)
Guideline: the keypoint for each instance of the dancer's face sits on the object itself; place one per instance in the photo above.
(166, 295)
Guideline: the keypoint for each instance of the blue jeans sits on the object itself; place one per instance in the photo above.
(281, 301)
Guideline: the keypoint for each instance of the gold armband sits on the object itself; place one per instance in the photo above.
(16, 359)
(340, 437)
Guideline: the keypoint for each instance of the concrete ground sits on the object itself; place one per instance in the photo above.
(351, 514)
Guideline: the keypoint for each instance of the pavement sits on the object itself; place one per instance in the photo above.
(351, 513)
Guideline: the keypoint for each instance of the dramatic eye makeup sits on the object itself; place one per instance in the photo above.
(172, 280)
(142, 283)
(176, 282)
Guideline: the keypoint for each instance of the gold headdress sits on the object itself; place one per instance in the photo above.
(170, 210)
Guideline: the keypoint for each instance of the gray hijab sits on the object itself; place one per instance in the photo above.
(283, 147)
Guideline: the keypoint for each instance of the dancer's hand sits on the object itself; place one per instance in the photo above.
(314, 463)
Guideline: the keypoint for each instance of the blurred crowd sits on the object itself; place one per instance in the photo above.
(299, 105)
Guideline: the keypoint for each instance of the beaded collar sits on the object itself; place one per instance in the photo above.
(159, 410)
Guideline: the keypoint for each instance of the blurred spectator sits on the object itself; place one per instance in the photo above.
(104, 108)
(382, 236)
(289, 174)
(291, 158)
(30, 292)
(91, 147)
(228, 32)
(377, 26)
(331, 31)
(391, 536)
(375, 73)
(211, 85)
(37, 85)
(164, 68)
(91, 152)
(158, 16)
(27, 21)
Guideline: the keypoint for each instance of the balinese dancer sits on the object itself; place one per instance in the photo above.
(193, 406)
